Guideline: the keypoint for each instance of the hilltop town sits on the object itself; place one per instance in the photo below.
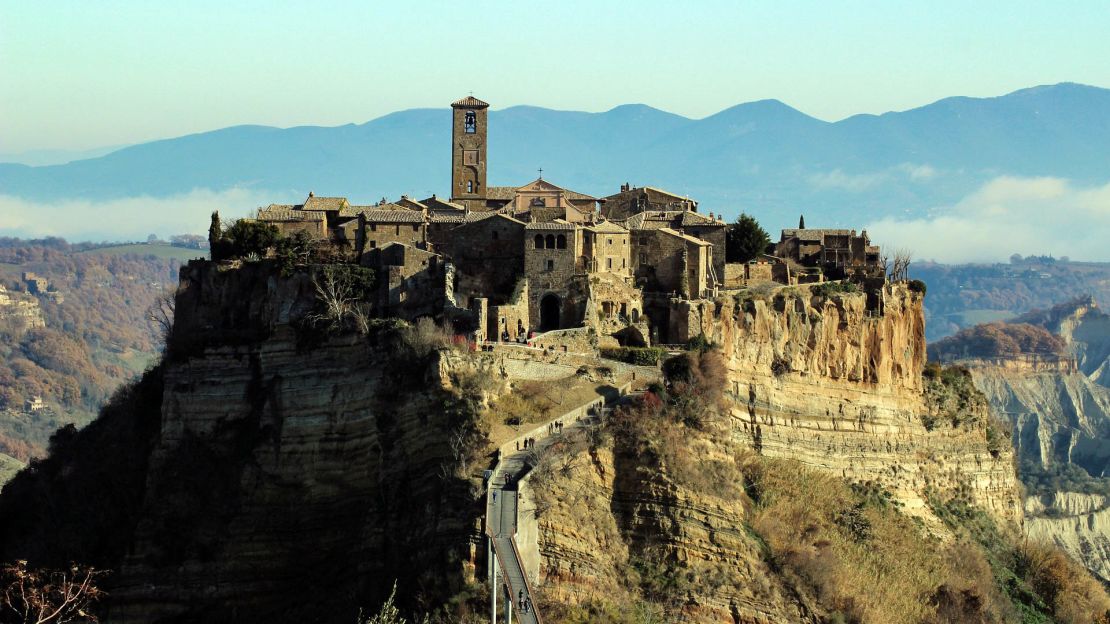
(507, 263)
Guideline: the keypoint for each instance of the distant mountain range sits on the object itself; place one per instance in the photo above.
(761, 157)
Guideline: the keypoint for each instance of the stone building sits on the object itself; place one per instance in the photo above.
(688, 222)
(631, 201)
(381, 225)
(468, 152)
(410, 280)
(837, 253)
(516, 260)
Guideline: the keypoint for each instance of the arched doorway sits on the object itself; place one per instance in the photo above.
(549, 312)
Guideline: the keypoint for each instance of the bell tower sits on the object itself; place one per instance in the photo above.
(468, 152)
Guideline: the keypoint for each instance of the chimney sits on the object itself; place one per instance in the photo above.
(625, 187)
(311, 194)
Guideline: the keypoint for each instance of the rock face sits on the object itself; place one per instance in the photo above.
(1059, 409)
(294, 481)
(1078, 523)
(824, 381)
(19, 312)
(837, 386)
(1059, 417)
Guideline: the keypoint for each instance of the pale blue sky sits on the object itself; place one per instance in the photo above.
(84, 73)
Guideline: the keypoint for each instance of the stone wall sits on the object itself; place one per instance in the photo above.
(381, 234)
(490, 253)
(659, 261)
(511, 321)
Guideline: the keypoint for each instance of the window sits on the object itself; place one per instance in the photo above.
(470, 122)
(624, 263)
(469, 186)
(561, 242)
(608, 263)
(373, 244)
(397, 230)
(539, 241)
(373, 227)
(549, 242)
(610, 241)
(550, 265)
(415, 227)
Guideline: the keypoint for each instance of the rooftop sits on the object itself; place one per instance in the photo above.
(469, 102)
(374, 214)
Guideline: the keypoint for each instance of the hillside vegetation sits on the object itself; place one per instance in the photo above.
(98, 337)
(964, 295)
(998, 340)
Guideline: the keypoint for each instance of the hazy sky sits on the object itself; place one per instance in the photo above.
(86, 73)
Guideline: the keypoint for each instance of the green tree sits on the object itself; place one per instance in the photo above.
(745, 239)
(251, 238)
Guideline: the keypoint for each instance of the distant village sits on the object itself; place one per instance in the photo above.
(519, 261)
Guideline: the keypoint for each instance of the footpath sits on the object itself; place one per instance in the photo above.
(508, 571)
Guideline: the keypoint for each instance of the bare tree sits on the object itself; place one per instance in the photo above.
(161, 313)
(900, 265)
(337, 293)
(49, 596)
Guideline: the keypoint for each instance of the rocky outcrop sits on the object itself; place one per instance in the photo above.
(1059, 411)
(607, 522)
(1077, 523)
(296, 477)
(836, 383)
(1057, 417)
(829, 382)
(18, 313)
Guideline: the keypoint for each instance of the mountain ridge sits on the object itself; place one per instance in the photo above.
(763, 157)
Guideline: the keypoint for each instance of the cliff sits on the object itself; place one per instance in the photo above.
(821, 381)
(19, 312)
(834, 385)
(1059, 411)
(272, 470)
(293, 474)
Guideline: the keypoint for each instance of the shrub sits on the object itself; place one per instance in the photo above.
(640, 356)
(700, 343)
(293, 251)
(917, 286)
(828, 289)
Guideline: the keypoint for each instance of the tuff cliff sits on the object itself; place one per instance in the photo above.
(284, 473)
(826, 381)
(271, 470)
(837, 382)
(1059, 409)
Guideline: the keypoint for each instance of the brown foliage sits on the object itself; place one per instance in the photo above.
(998, 340)
(1072, 594)
(44, 596)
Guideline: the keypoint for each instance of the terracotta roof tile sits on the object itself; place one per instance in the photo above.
(469, 102)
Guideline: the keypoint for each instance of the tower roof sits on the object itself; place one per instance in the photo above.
(469, 102)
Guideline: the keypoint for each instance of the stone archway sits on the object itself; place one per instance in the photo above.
(549, 312)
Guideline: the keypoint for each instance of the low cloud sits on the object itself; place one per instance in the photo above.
(1043, 216)
(851, 182)
(838, 179)
(131, 218)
